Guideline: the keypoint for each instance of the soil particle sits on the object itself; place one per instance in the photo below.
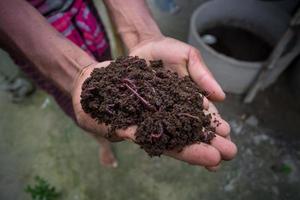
(167, 109)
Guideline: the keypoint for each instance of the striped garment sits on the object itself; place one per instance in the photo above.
(78, 21)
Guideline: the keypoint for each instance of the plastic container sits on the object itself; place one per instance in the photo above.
(265, 21)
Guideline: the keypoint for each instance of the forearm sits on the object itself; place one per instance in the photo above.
(133, 21)
(25, 30)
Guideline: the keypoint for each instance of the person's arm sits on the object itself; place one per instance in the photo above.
(25, 31)
(133, 21)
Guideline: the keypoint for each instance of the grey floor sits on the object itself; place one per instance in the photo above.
(36, 138)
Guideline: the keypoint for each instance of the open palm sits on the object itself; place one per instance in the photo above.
(221, 148)
(181, 58)
(185, 60)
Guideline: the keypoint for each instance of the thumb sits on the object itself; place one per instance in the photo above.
(203, 77)
(128, 133)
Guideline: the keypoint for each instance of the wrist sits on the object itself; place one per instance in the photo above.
(82, 74)
(133, 21)
(71, 65)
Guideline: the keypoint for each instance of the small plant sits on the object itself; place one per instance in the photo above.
(42, 190)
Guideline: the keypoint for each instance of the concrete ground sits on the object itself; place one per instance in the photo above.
(36, 138)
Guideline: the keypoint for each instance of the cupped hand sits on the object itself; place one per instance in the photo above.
(207, 155)
(184, 59)
(181, 58)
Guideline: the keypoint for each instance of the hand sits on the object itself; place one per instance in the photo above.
(185, 60)
(198, 154)
(83, 119)
(181, 58)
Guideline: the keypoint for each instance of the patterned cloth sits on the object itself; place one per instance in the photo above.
(78, 21)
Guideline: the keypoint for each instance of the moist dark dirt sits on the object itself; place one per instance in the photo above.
(167, 109)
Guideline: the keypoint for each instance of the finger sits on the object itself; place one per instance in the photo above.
(198, 154)
(205, 103)
(202, 76)
(227, 149)
(221, 126)
(128, 133)
(212, 108)
(214, 168)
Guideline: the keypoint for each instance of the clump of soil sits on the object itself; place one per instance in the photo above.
(167, 109)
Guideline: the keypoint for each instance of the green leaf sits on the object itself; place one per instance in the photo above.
(42, 190)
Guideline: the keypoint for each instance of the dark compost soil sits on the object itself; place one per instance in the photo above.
(167, 109)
